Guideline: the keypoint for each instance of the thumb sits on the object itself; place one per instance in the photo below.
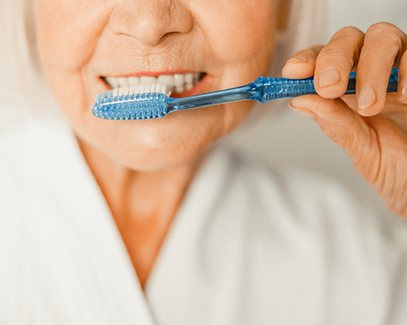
(339, 122)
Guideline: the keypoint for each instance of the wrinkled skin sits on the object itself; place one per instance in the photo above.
(80, 40)
(144, 167)
(372, 127)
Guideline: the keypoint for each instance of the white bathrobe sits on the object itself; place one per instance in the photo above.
(249, 245)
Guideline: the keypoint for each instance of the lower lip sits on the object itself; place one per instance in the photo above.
(198, 89)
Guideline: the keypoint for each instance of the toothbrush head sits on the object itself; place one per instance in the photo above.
(140, 102)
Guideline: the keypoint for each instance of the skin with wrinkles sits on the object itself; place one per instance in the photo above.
(144, 167)
(90, 38)
(372, 127)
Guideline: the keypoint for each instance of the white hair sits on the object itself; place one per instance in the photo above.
(23, 90)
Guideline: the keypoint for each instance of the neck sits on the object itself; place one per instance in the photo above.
(138, 194)
(143, 204)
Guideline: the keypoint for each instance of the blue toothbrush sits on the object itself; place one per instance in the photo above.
(133, 104)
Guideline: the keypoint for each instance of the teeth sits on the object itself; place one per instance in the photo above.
(123, 82)
(148, 80)
(189, 79)
(167, 80)
(134, 81)
(113, 82)
(177, 82)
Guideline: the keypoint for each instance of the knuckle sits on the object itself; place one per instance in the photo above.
(336, 54)
(349, 31)
(304, 55)
(313, 51)
(306, 52)
(383, 27)
(393, 39)
(394, 42)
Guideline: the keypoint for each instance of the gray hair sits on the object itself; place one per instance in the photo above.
(23, 91)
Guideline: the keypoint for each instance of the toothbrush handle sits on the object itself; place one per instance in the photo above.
(274, 88)
(391, 88)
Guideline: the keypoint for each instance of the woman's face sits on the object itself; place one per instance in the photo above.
(82, 42)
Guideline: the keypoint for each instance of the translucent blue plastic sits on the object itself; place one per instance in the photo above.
(263, 89)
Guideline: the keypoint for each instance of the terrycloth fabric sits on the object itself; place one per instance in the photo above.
(249, 245)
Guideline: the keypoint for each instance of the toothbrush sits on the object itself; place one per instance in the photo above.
(152, 101)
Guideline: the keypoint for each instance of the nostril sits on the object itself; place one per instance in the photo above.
(148, 32)
(149, 22)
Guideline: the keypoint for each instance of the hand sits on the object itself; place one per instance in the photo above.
(371, 126)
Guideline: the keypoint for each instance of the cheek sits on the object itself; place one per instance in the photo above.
(67, 31)
(240, 32)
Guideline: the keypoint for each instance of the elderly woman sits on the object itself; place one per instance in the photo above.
(148, 222)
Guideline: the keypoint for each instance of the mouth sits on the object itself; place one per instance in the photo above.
(179, 84)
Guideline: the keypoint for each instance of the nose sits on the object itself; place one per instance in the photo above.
(150, 21)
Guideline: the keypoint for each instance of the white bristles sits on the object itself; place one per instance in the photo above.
(142, 89)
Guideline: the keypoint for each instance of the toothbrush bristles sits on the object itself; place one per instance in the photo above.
(133, 103)
(142, 89)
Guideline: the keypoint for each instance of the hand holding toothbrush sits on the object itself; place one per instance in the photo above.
(371, 126)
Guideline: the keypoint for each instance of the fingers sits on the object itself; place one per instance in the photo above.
(383, 45)
(336, 60)
(392, 104)
(330, 65)
(301, 64)
(374, 54)
(344, 126)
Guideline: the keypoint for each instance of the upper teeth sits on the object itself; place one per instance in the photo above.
(176, 82)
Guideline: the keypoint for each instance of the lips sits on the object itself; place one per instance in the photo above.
(179, 84)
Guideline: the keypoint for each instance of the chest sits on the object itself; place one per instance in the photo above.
(143, 239)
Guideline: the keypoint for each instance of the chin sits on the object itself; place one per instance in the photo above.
(175, 141)
(159, 159)
(179, 139)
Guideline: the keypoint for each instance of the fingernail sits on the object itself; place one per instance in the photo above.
(328, 77)
(299, 59)
(295, 60)
(367, 97)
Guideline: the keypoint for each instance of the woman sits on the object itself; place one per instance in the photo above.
(148, 223)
